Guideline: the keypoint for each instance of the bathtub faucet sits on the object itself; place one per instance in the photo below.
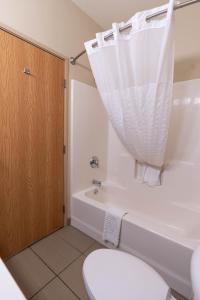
(96, 182)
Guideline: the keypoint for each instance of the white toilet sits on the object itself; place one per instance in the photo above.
(115, 275)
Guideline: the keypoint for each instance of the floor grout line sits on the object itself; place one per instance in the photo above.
(57, 275)
(90, 247)
(54, 274)
(38, 256)
(67, 242)
(69, 265)
(33, 243)
(68, 287)
(42, 287)
(49, 283)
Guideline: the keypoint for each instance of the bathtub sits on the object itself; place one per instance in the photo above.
(162, 234)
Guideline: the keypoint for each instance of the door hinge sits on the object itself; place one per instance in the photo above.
(64, 149)
(63, 209)
(65, 83)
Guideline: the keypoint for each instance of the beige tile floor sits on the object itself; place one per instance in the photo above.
(51, 269)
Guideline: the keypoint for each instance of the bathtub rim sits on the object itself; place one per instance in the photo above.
(187, 243)
(93, 227)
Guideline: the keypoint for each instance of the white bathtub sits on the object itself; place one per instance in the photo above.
(163, 234)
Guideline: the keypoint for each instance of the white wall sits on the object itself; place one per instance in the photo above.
(187, 43)
(186, 26)
(58, 25)
(89, 129)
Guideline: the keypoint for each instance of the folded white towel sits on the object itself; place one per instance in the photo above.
(152, 176)
(112, 225)
(148, 174)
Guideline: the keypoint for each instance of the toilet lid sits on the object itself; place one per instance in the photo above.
(115, 275)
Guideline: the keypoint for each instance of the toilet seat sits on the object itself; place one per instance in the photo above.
(115, 275)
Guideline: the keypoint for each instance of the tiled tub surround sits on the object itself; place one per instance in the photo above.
(162, 234)
(89, 130)
(51, 269)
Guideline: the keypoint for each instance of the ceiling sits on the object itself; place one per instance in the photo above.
(105, 12)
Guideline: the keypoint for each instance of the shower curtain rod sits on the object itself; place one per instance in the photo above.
(177, 6)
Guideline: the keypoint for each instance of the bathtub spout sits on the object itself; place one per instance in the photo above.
(97, 183)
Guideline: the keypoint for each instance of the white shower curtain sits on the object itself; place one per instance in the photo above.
(134, 75)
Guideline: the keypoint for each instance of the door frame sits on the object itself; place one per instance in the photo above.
(45, 48)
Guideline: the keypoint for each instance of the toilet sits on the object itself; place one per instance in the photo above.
(116, 275)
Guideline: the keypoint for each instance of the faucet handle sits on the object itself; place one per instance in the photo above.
(94, 162)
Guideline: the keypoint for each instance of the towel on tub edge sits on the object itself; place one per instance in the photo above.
(112, 225)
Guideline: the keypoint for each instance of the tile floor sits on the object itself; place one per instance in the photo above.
(51, 269)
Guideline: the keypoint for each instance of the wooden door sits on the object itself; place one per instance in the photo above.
(31, 143)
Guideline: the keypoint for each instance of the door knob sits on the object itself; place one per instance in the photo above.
(27, 71)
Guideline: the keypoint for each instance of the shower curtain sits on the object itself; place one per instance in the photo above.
(134, 75)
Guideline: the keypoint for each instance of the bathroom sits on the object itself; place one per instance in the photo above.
(89, 208)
